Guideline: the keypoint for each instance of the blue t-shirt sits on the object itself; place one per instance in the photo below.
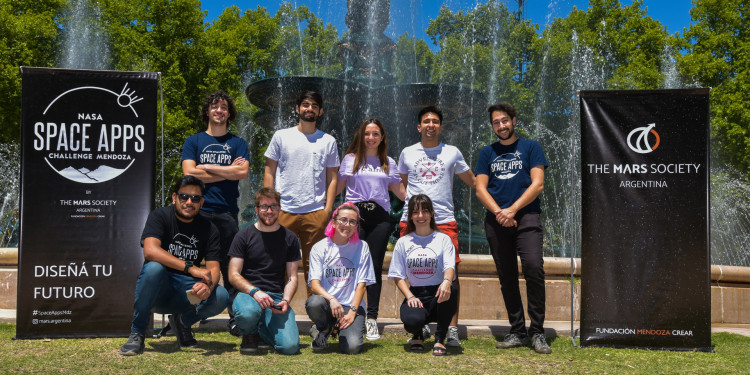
(509, 171)
(206, 149)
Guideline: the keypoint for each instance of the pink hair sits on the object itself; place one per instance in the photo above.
(330, 230)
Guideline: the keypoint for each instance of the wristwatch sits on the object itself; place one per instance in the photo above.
(354, 308)
(188, 264)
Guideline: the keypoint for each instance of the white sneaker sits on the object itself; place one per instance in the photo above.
(372, 330)
(451, 339)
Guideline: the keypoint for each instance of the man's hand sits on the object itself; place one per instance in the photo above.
(264, 300)
(336, 309)
(347, 319)
(201, 273)
(284, 307)
(201, 290)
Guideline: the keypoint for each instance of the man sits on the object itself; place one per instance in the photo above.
(510, 177)
(302, 163)
(175, 240)
(219, 159)
(260, 256)
(427, 168)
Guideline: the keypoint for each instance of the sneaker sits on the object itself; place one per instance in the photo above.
(262, 344)
(425, 333)
(313, 331)
(539, 342)
(184, 334)
(134, 346)
(372, 330)
(249, 343)
(510, 341)
(234, 329)
(451, 338)
(321, 340)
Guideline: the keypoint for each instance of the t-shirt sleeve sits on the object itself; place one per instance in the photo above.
(213, 247)
(365, 272)
(242, 150)
(156, 226)
(461, 165)
(273, 150)
(537, 156)
(483, 165)
(393, 176)
(332, 159)
(449, 254)
(293, 253)
(317, 255)
(397, 269)
(345, 170)
(236, 249)
(402, 167)
(190, 149)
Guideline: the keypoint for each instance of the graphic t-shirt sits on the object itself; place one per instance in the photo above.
(192, 241)
(206, 149)
(509, 171)
(265, 256)
(422, 260)
(370, 183)
(341, 268)
(430, 171)
(301, 171)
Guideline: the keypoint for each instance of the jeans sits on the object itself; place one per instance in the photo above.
(159, 290)
(375, 229)
(524, 241)
(351, 339)
(415, 318)
(279, 330)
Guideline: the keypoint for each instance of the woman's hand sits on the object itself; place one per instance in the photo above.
(414, 302)
(444, 291)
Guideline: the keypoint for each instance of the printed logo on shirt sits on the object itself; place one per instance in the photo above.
(370, 168)
(428, 170)
(216, 153)
(184, 247)
(421, 262)
(339, 272)
(507, 166)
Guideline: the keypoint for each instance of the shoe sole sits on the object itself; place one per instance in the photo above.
(246, 350)
(130, 354)
(373, 338)
(453, 344)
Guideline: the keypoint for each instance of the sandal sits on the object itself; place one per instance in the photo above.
(416, 346)
(439, 351)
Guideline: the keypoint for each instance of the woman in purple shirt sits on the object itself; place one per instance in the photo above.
(368, 173)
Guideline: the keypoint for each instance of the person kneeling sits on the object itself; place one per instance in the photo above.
(175, 240)
(425, 258)
(340, 269)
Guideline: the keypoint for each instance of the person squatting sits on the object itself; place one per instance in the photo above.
(193, 244)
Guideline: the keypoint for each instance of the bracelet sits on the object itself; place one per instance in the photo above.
(253, 291)
(413, 296)
(284, 300)
(448, 280)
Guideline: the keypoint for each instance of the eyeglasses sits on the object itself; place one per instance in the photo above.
(194, 198)
(345, 221)
(265, 207)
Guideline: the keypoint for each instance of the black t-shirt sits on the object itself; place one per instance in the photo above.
(192, 241)
(265, 256)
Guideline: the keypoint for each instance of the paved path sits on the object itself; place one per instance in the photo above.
(390, 325)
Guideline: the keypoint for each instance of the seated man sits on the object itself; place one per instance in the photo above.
(260, 255)
(175, 240)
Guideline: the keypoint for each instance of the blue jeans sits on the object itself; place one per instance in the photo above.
(160, 291)
(351, 338)
(279, 330)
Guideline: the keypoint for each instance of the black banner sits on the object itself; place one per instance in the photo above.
(87, 186)
(645, 219)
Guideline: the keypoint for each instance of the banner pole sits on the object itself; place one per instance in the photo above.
(161, 100)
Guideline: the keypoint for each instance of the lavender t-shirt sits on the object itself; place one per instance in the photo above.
(370, 183)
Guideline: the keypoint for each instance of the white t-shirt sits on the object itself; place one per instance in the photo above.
(301, 172)
(430, 172)
(341, 268)
(422, 260)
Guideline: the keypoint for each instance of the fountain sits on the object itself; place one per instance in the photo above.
(85, 43)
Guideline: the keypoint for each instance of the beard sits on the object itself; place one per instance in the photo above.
(510, 135)
(309, 116)
(182, 215)
(267, 221)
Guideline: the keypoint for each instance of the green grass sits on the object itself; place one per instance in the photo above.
(217, 352)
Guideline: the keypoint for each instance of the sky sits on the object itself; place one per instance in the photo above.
(413, 16)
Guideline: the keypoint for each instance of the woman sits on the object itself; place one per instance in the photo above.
(368, 174)
(340, 268)
(426, 259)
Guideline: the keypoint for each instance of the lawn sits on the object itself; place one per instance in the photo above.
(217, 352)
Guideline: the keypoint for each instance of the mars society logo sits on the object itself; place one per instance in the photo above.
(90, 134)
(643, 137)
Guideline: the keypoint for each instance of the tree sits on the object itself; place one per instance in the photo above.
(718, 56)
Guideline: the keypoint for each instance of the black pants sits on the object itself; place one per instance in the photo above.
(228, 226)
(524, 241)
(415, 318)
(375, 229)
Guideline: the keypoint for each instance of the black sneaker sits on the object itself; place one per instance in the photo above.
(510, 341)
(539, 342)
(184, 334)
(249, 343)
(234, 329)
(134, 346)
(321, 341)
(262, 344)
